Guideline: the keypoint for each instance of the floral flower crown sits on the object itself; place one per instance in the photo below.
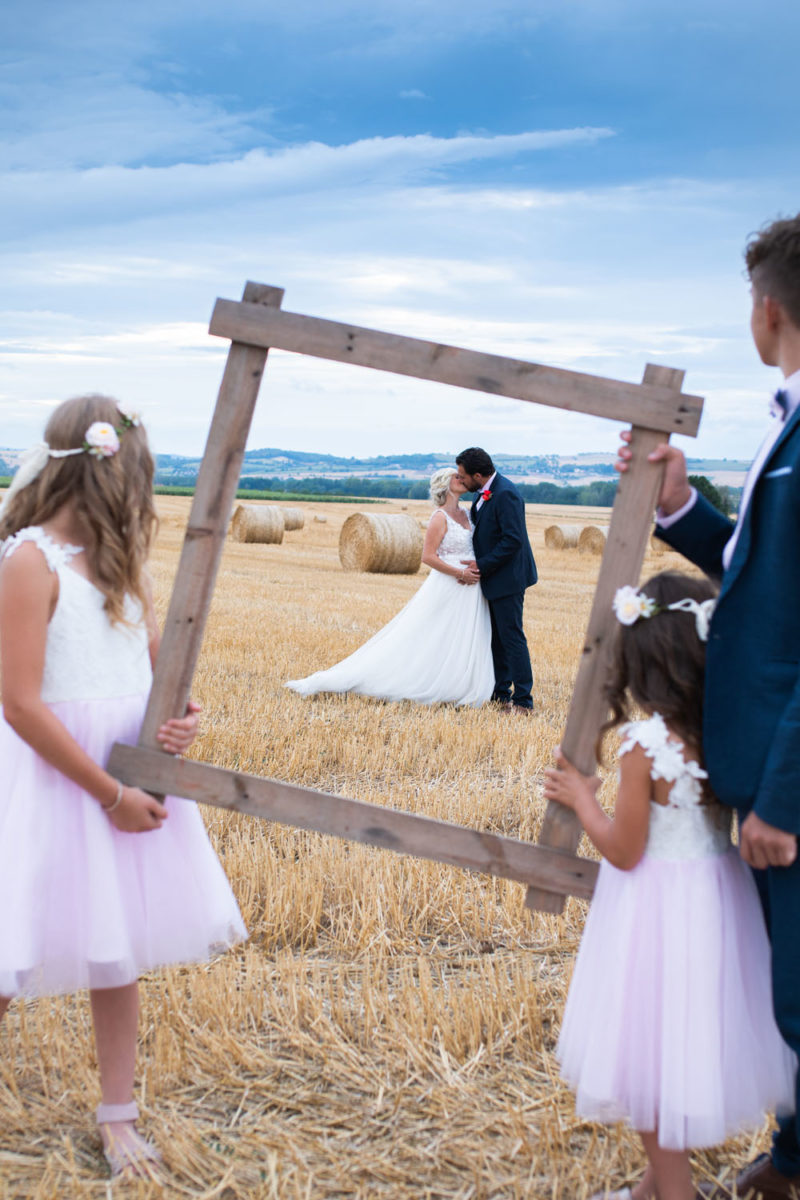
(101, 440)
(631, 606)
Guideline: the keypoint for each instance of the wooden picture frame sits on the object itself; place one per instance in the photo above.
(655, 408)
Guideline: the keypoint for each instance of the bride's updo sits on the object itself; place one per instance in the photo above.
(440, 484)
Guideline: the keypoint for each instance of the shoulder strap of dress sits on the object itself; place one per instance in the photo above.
(666, 754)
(651, 734)
(55, 553)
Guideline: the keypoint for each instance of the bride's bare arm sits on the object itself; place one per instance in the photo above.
(437, 527)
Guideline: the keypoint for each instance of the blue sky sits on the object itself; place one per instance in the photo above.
(566, 181)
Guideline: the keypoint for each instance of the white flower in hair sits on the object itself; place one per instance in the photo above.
(130, 415)
(102, 440)
(630, 605)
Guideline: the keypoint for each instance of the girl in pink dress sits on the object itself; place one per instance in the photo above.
(668, 1024)
(98, 881)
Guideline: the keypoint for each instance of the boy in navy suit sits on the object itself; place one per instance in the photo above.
(504, 564)
(751, 736)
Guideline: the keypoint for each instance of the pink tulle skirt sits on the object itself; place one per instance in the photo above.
(669, 1022)
(83, 905)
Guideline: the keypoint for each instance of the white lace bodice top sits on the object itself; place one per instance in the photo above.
(86, 657)
(685, 827)
(456, 543)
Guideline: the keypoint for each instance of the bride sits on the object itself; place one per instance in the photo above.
(438, 647)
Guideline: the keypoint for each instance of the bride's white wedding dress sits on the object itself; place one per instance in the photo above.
(437, 648)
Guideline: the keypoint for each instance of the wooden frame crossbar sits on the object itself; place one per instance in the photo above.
(655, 408)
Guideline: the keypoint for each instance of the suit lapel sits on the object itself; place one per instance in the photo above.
(742, 549)
(789, 428)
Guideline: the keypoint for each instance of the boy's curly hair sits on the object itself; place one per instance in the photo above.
(772, 257)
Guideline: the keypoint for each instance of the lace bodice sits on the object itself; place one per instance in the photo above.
(456, 543)
(685, 827)
(86, 657)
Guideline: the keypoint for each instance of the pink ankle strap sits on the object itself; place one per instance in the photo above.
(108, 1113)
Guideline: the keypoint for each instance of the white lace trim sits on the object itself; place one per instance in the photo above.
(457, 541)
(56, 554)
(668, 760)
(685, 827)
(86, 656)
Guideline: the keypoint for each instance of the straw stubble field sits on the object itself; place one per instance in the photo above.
(388, 1029)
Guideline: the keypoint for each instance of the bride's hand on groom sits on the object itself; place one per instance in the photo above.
(470, 573)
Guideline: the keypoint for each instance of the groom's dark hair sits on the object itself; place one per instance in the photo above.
(475, 461)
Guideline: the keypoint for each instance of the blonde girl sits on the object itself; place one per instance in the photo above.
(98, 881)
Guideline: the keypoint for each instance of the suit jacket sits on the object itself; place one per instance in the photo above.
(502, 549)
(752, 701)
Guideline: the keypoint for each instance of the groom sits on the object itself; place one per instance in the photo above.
(505, 568)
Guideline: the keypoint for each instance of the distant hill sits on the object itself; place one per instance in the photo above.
(273, 463)
(299, 464)
(546, 468)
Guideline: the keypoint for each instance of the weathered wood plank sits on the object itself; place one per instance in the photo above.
(652, 405)
(622, 562)
(371, 824)
(208, 522)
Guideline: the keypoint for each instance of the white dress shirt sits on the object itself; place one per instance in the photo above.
(791, 389)
(487, 487)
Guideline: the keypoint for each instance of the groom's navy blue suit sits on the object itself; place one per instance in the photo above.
(505, 560)
(751, 730)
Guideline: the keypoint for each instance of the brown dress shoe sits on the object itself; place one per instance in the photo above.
(758, 1181)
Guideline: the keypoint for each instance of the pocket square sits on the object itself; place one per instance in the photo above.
(778, 471)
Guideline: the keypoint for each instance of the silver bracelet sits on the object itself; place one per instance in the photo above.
(115, 802)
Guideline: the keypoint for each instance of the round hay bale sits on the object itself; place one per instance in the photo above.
(257, 523)
(320, 519)
(592, 539)
(657, 546)
(389, 544)
(293, 518)
(562, 537)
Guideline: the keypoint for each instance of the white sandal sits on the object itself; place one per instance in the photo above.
(126, 1154)
(623, 1194)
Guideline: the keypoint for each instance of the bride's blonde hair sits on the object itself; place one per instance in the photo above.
(112, 498)
(440, 484)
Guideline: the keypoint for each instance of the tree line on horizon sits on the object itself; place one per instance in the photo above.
(599, 493)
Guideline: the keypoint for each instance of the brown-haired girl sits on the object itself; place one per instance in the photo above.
(103, 881)
(668, 1023)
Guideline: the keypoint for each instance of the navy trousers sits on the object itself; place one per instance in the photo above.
(779, 889)
(512, 662)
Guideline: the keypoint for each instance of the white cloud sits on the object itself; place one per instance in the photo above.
(54, 201)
